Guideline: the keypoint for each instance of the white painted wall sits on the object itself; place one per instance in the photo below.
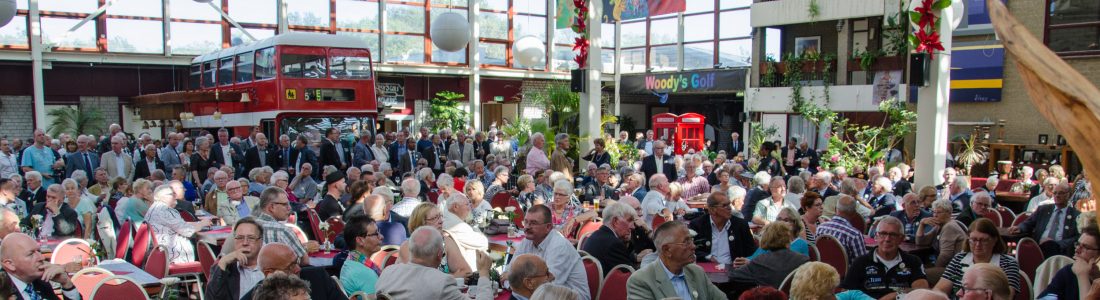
(843, 98)
(784, 12)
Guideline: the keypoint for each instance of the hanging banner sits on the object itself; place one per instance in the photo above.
(623, 10)
(685, 82)
(565, 14)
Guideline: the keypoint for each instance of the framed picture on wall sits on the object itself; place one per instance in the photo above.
(807, 45)
(1061, 140)
(1029, 156)
(1043, 139)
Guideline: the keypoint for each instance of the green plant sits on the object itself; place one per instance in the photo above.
(866, 58)
(770, 78)
(814, 10)
(971, 153)
(628, 124)
(72, 120)
(617, 151)
(863, 145)
(759, 136)
(445, 112)
(896, 41)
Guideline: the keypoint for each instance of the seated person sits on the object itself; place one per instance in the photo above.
(798, 242)
(880, 272)
(171, 230)
(55, 218)
(421, 278)
(238, 272)
(528, 273)
(986, 280)
(542, 240)
(676, 264)
(984, 245)
(911, 215)
(1072, 281)
(276, 259)
(1052, 225)
(427, 214)
(721, 237)
(772, 267)
(359, 273)
(609, 243)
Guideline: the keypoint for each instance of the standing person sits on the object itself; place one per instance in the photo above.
(261, 155)
(658, 163)
(202, 160)
(361, 152)
(226, 153)
(735, 144)
(302, 155)
(333, 151)
(82, 159)
(536, 157)
(598, 155)
(768, 163)
(9, 162)
(39, 157)
(169, 155)
(378, 149)
(558, 161)
(148, 163)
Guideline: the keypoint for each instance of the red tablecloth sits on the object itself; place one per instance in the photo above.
(710, 267)
(504, 295)
(324, 254)
(502, 238)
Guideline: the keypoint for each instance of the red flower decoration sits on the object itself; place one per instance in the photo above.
(927, 38)
(929, 42)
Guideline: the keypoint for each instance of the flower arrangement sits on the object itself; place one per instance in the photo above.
(33, 226)
(580, 26)
(926, 16)
(324, 227)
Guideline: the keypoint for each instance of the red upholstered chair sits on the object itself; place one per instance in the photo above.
(614, 285)
(1029, 255)
(118, 287)
(518, 219)
(187, 216)
(380, 257)
(314, 224)
(391, 259)
(594, 270)
(71, 250)
(122, 240)
(815, 254)
(433, 196)
(582, 239)
(786, 285)
(1021, 218)
(501, 200)
(1025, 288)
(657, 221)
(1006, 215)
(86, 279)
(143, 242)
(860, 224)
(335, 227)
(589, 227)
(207, 258)
(994, 216)
(833, 253)
(156, 263)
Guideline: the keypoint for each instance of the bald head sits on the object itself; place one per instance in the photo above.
(527, 273)
(21, 258)
(277, 257)
(375, 207)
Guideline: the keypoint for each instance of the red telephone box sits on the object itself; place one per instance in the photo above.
(680, 132)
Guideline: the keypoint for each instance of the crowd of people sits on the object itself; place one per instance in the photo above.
(752, 215)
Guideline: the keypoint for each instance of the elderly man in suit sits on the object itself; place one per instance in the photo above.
(1054, 226)
(882, 198)
(29, 273)
(261, 155)
(609, 243)
(83, 158)
(659, 163)
(58, 219)
(148, 163)
(118, 164)
(333, 151)
(421, 278)
(675, 274)
(722, 237)
(300, 155)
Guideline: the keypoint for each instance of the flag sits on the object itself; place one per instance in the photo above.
(623, 10)
(662, 7)
(565, 13)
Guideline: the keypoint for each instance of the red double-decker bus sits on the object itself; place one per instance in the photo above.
(288, 84)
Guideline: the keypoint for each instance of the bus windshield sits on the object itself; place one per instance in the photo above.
(350, 67)
(314, 127)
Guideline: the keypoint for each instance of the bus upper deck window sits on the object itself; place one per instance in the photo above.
(350, 67)
(265, 63)
(303, 65)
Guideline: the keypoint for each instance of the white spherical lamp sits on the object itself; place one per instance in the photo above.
(450, 31)
(7, 11)
(529, 51)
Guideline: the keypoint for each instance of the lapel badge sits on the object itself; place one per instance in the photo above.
(731, 238)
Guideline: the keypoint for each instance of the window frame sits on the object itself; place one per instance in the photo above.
(1048, 28)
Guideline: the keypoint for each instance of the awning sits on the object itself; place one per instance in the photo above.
(184, 97)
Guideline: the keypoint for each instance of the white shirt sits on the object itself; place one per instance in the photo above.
(8, 165)
(562, 259)
(1037, 201)
(719, 242)
(652, 204)
(226, 150)
(769, 210)
(120, 164)
(249, 278)
(20, 286)
(339, 150)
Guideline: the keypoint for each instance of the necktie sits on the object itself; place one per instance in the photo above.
(1055, 224)
(87, 165)
(286, 155)
(30, 292)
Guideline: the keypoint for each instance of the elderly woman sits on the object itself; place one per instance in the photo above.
(796, 186)
(134, 208)
(768, 209)
(502, 147)
(598, 155)
(499, 184)
(774, 259)
(984, 245)
(446, 184)
(282, 180)
(812, 209)
(526, 186)
(566, 212)
(476, 193)
(171, 230)
(817, 281)
(427, 214)
(202, 160)
(724, 183)
(83, 205)
(927, 196)
(941, 233)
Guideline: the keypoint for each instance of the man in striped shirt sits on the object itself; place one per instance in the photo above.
(840, 227)
(274, 211)
(693, 185)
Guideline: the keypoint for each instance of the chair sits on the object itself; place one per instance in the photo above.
(614, 285)
(392, 233)
(833, 253)
(1021, 218)
(187, 216)
(301, 235)
(143, 242)
(657, 221)
(1029, 255)
(786, 285)
(71, 250)
(860, 224)
(156, 263)
(391, 259)
(335, 227)
(206, 258)
(433, 196)
(1047, 269)
(582, 239)
(314, 223)
(594, 270)
(994, 216)
(589, 227)
(122, 244)
(86, 279)
(1006, 215)
(379, 257)
(360, 295)
(500, 200)
(518, 219)
(339, 285)
(1025, 288)
(815, 254)
(107, 229)
(118, 287)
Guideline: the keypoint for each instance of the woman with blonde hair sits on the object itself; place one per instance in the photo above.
(428, 214)
(83, 205)
(816, 281)
(772, 267)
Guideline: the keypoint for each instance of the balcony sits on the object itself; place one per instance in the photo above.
(843, 98)
(817, 71)
(786, 12)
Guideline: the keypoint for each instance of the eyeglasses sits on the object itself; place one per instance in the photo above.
(281, 203)
(234, 189)
(433, 219)
(527, 223)
(965, 290)
(241, 238)
(561, 194)
(889, 234)
(1080, 245)
(788, 220)
(979, 241)
(373, 234)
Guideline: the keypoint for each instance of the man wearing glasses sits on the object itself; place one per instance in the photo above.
(1053, 225)
(658, 163)
(911, 214)
(1072, 281)
(676, 268)
(560, 255)
(981, 204)
(274, 211)
(238, 272)
(879, 273)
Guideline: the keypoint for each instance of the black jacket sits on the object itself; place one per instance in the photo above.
(740, 242)
(41, 287)
(309, 157)
(321, 286)
(64, 223)
(32, 198)
(141, 170)
(224, 285)
(902, 187)
(330, 157)
(754, 195)
(649, 167)
(237, 156)
(273, 158)
(1036, 225)
(608, 249)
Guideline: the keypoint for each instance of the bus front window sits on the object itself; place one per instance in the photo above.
(303, 65)
(351, 67)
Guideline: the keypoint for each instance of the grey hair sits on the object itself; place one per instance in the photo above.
(796, 185)
(280, 175)
(33, 174)
(500, 170)
(963, 182)
(427, 247)
(445, 180)
(664, 234)
(849, 187)
(163, 193)
(736, 192)
(552, 291)
(410, 187)
(942, 204)
(56, 188)
(849, 207)
(4, 210)
(522, 269)
(424, 174)
(884, 182)
(981, 195)
(761, 178)
(560, 138)
(563, 185)
(80, 176)
(199, 141)
(68, 182)
(617, 210)
(890, 220)
(825, 176)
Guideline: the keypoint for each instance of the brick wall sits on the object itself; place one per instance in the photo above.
(16, 116)
(108, 106)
